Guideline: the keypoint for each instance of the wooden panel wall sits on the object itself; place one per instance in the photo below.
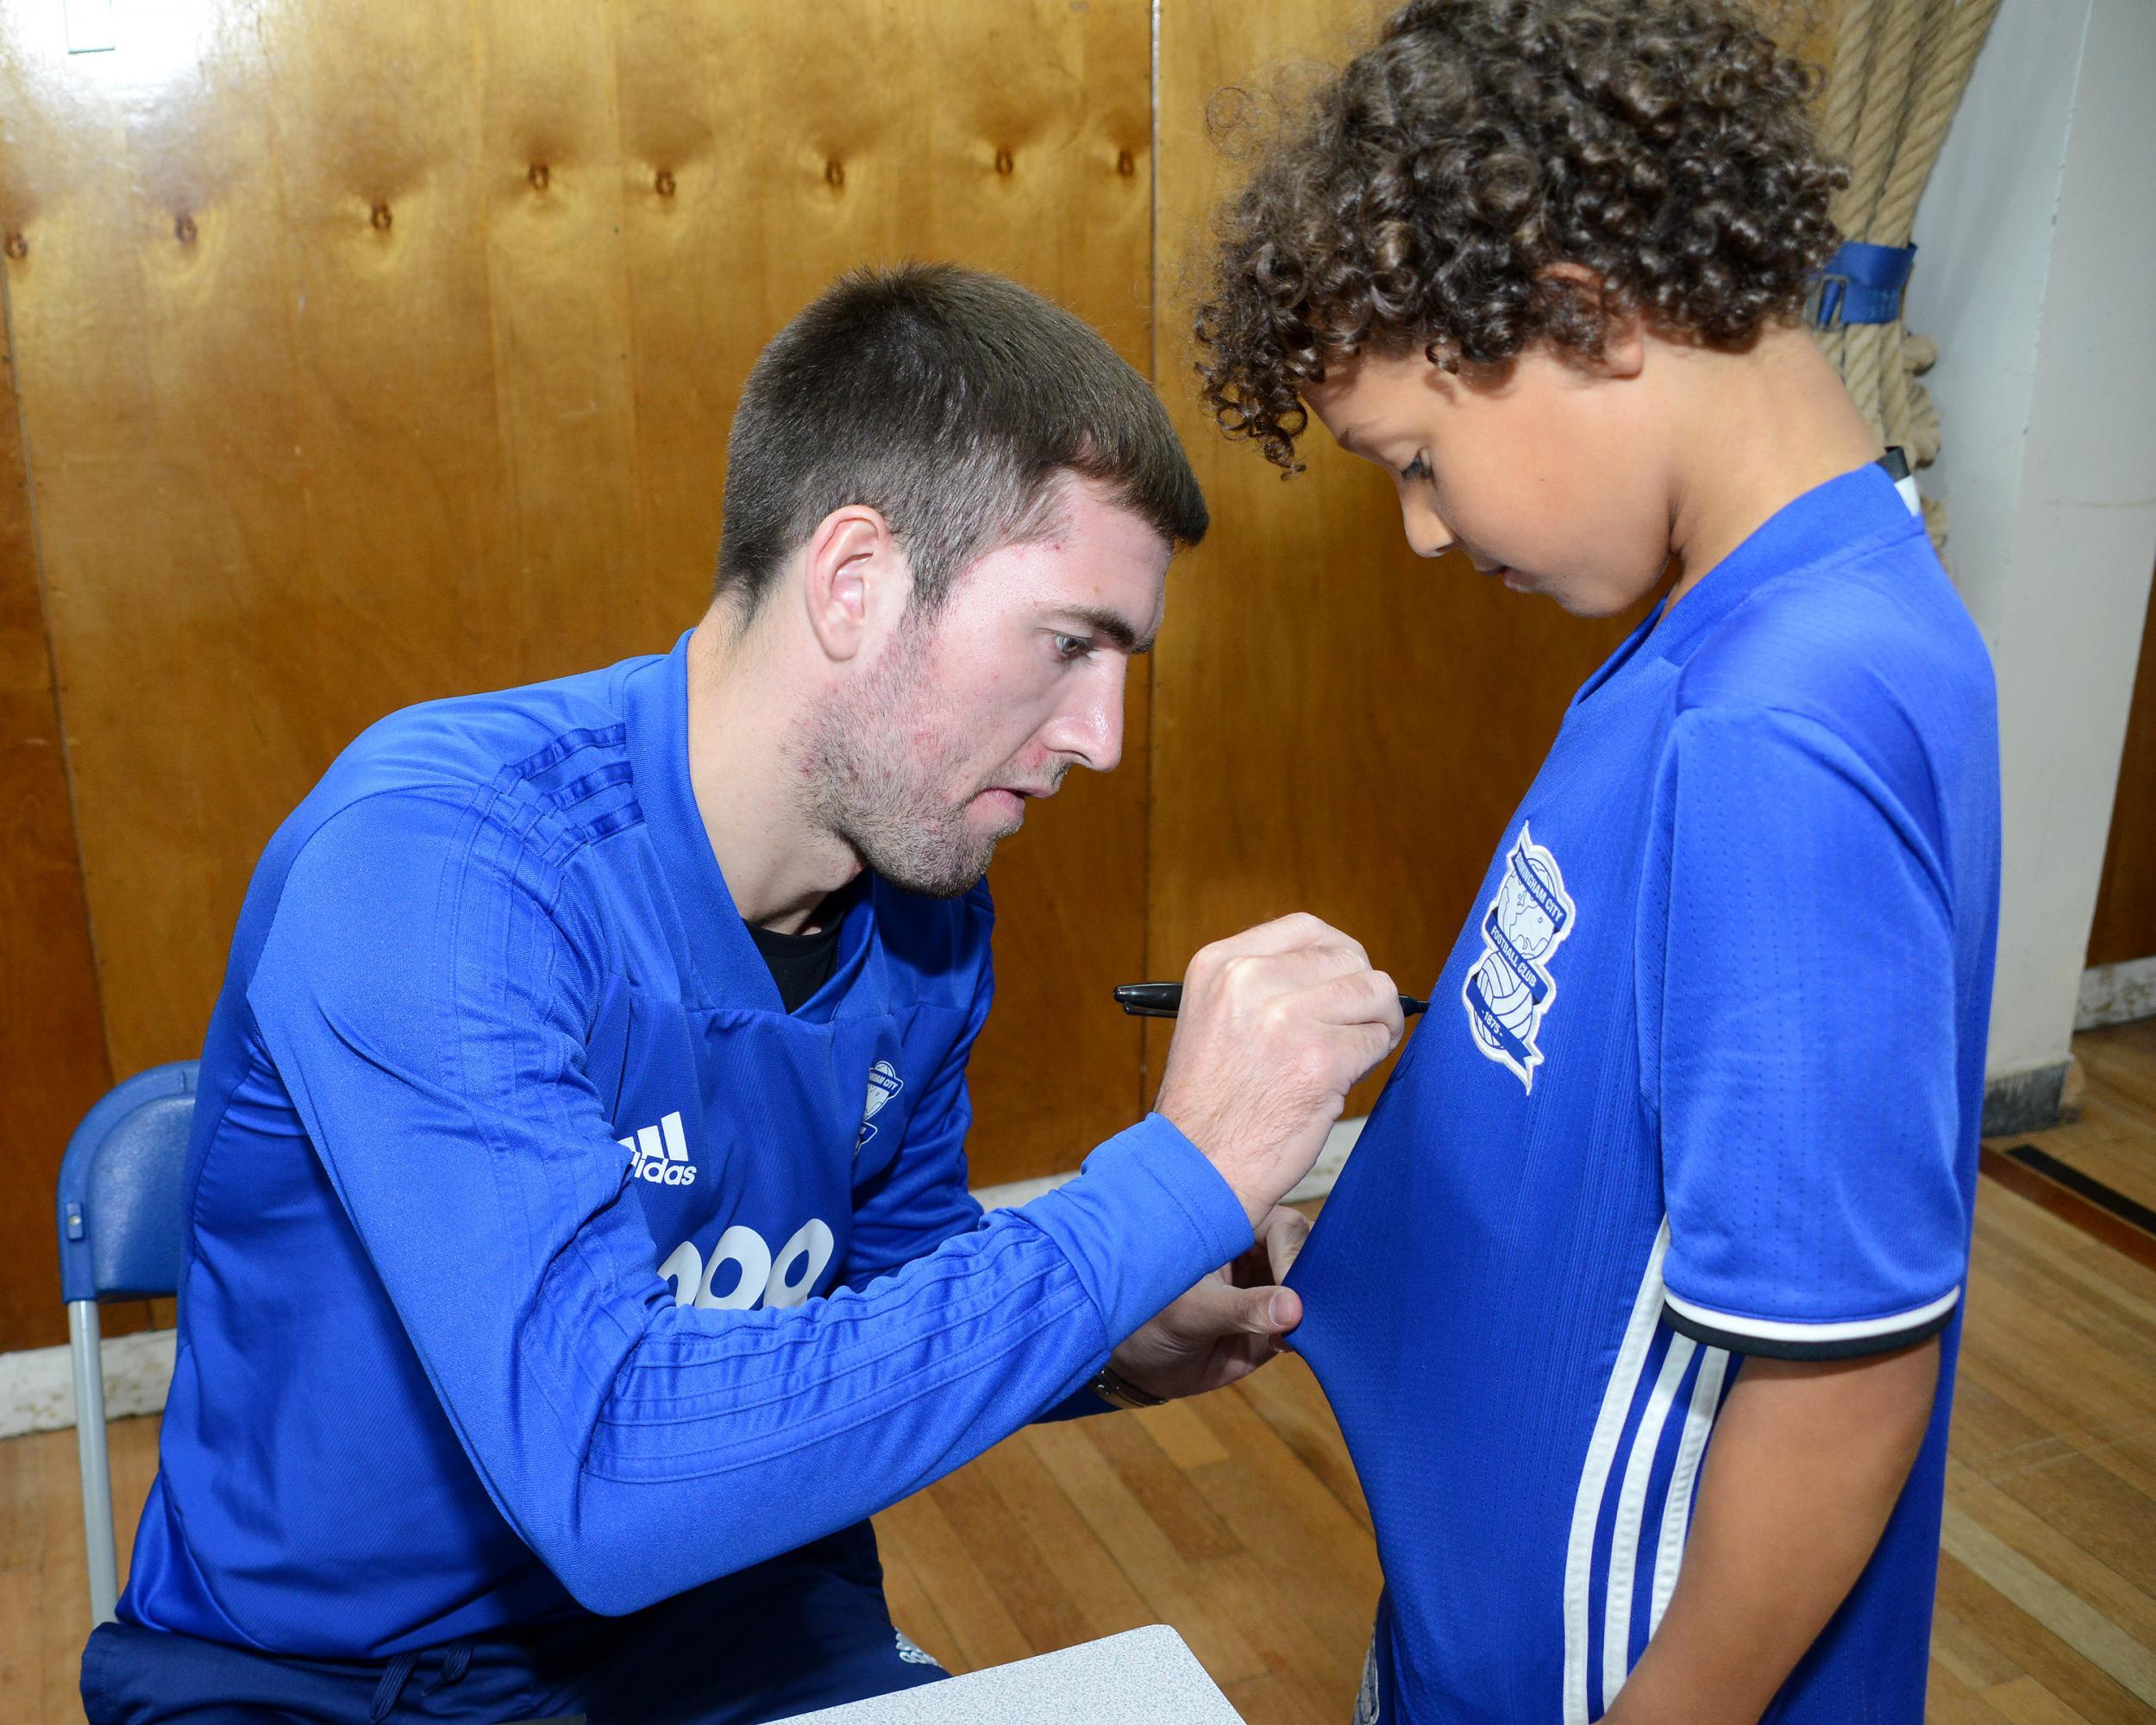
(369, 353)
(1339, 727)
(52, 1050)
(2125, 924)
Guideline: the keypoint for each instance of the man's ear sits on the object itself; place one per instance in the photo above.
(856, 581)
(1624, 337)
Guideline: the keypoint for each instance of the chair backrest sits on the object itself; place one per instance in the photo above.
(120, 1229)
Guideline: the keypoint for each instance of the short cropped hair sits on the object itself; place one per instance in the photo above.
(953, 402)
(1416, 200)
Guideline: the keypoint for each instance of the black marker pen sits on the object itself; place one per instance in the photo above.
(1162, 1000)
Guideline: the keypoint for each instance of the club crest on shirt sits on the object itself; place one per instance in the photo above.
(884, 1083)
(1509, 989)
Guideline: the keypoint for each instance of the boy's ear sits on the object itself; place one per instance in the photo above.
(856, 580)
(1624, 338)
(1624, 344)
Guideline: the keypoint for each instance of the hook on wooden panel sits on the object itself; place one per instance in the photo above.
(1004, 163)
(539, 177)
(381, 217)
(664, 184)
(15, 246)
(835, 174)
(183, 229)
(1125, 163)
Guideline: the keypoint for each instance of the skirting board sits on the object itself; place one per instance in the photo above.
(2028, 1101)
(2116, 994)
(37, 1386)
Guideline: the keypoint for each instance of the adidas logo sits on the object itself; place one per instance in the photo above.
(660, 1154)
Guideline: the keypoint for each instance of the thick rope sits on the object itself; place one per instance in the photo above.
(1951, 54)
(1845, 93)
(1900, 68)
(1838, 129)
(1899, 25)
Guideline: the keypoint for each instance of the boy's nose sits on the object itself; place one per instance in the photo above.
(1428, 535)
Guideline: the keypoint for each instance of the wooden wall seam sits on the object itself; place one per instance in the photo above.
(51, 659)
(378, 354)
(1148, 1082)
(369, 353)
(1341, 727)
(53, 1057)
(2123, 924)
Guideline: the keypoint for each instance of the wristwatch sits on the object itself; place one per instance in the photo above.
(1119, 1391)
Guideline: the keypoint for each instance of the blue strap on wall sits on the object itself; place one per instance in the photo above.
(1861, 284)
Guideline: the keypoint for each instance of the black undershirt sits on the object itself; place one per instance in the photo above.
(802, 964)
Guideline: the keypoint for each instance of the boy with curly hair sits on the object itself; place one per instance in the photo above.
(1639, 1300)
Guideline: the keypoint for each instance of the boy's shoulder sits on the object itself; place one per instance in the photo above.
(1864, 639)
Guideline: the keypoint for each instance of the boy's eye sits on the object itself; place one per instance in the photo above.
(1417, 469)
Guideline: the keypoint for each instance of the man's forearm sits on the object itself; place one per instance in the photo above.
(1806, 1465)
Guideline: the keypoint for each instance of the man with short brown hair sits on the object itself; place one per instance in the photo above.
(580, 1248)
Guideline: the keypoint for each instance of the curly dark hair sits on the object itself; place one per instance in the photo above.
(1420, 198)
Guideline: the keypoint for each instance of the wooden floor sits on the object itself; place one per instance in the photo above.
(1237, 1518)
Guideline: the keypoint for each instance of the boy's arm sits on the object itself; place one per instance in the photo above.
(1804, 1018)
(1808, 1460)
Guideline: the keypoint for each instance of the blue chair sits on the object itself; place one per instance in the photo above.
(120, 1232)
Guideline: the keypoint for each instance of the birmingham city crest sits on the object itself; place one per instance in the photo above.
(884, 1083)
(1509, 990)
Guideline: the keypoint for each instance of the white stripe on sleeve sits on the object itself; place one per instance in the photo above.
(1778, 1330)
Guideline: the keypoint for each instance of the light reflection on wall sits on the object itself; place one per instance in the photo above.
(137, 47)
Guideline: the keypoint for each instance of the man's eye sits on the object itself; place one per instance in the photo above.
(1071, 647)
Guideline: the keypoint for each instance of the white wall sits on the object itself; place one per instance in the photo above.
(2037, 276)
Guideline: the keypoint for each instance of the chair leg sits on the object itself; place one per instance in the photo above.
(84, 1334)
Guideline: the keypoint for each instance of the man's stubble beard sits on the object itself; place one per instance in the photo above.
(878, 758)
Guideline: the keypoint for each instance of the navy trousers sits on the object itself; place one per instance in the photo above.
(814, 1632)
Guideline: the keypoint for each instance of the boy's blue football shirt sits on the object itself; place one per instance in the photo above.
(1701, 1079)
(537, 1260)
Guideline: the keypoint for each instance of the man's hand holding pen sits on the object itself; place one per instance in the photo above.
(1275, 1025)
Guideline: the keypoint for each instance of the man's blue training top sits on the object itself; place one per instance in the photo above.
(536, 1259)
(1701, 1079)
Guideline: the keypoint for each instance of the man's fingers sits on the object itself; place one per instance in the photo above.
(1254, 981)
(1372, 1044)
(1365, 1012)
(1359, 1022)
(1214, 1310)
(1283, 1235)
(1285, 1311)
(1292, 953)
(1359, 996)
(1282, 934)
(1247, 1353)
(1268, 1311)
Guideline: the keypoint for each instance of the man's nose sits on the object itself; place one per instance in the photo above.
(1090, 729)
